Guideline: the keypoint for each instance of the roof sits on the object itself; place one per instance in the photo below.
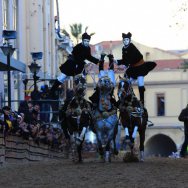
(169, 64)
(104, 46)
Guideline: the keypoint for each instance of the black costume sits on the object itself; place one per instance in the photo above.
(75, 62)
(133, 59)
(184, 117)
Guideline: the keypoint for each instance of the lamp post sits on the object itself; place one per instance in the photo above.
(34, 67)
(25, 81)
(8, 50)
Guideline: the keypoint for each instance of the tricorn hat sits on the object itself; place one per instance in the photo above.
(128, 35)
(86, 36)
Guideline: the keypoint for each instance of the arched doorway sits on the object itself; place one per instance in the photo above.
(160, 145)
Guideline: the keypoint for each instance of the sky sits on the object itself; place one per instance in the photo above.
(155, 23)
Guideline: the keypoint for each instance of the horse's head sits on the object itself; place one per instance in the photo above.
(124, 88)
(105, 85)
(80, 85)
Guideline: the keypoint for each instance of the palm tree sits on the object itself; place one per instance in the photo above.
(76, 31)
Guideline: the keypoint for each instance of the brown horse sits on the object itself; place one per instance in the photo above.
(78, 117)
(133, 115)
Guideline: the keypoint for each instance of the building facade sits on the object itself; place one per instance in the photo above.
(34, 23)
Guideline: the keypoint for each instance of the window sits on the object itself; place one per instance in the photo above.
(14, 4)
(5, 14)
(160, 104)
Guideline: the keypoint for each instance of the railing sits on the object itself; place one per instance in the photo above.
(53, 111)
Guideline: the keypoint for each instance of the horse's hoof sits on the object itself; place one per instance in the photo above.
(141, 156)
(107, 157)
(101, 159)
(130, 157)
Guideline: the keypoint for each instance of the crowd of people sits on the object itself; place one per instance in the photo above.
(26, 123)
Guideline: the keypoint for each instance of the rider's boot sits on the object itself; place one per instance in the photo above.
(101, 65)
(54, 88)
(111, 61)
(101, 62)
(141, 92)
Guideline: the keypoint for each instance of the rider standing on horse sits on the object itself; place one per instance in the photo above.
(75, 63)
(133, 59)
(110, 73)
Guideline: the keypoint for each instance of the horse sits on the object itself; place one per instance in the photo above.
(78, 117)
(105, 119)
(133, 115)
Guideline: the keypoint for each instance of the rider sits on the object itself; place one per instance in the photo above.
(133, 59)
(110, 73)
(75, 63)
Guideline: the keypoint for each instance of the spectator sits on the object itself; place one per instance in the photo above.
(36, 108)
(45, 106)
(23, 127)
(30, 105)
(7, 123)
(24, 108)
(35, 96)
(184, 118)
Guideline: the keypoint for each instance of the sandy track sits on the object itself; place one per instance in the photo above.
(154, 172)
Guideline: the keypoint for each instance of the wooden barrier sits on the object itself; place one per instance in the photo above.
(14, 149)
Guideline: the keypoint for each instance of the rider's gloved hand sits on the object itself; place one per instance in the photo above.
(102, 57)
(111, 57)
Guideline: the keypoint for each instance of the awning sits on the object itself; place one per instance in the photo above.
(14, 64)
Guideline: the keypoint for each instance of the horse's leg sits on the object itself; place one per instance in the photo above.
(112, 130)
(115, 150)
(99, 145)
(127, 137)
(107, 152)
(134, 133)
(142, 140)
(79, 150)
(74, 147)
(67, 137)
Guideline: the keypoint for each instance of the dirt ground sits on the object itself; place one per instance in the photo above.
(153, 172)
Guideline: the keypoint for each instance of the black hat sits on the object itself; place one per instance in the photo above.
(86, 36)
(128, 35)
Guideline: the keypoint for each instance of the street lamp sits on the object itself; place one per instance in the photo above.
(25, 81)
(34, 67)
(8, 50)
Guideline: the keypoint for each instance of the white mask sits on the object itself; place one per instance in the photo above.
(126, 41)
(85, 42)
